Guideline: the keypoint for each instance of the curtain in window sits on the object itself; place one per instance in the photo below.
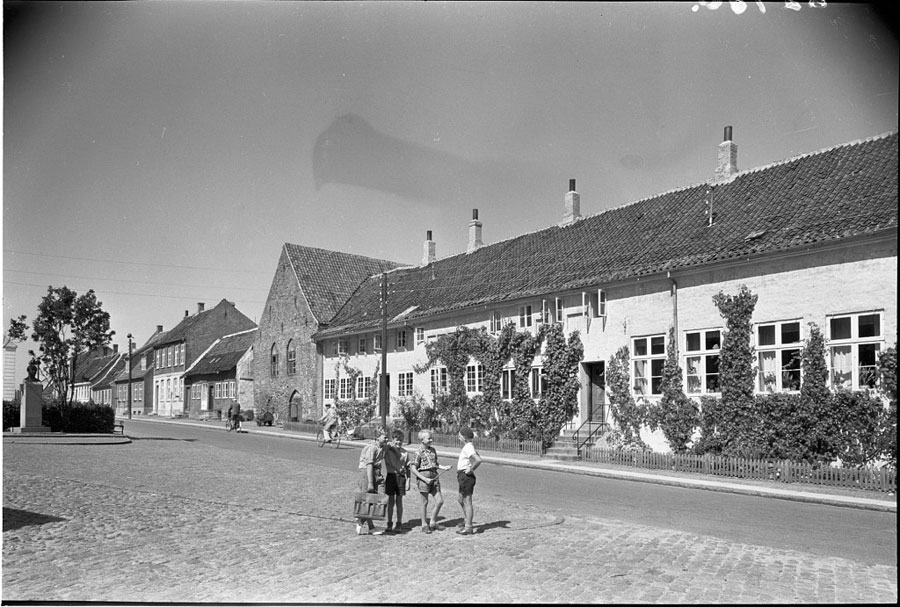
(768, 371)
(841, 367)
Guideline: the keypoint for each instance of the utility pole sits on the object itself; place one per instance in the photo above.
(129, 376)
(382, 378)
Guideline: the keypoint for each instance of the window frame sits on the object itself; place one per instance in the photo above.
(705, 355)
(404, 384)
(526, 316)
(652, 361)
(780, 348)
(439, 380)
(475, 378)
(291, 358)
(853, 344)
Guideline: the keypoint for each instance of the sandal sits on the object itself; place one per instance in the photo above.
(465, 531)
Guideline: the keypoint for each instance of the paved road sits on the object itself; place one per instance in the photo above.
(178, 520)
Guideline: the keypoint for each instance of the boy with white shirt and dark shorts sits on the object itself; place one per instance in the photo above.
(465, 474)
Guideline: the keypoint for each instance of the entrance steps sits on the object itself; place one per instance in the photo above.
(564, 448)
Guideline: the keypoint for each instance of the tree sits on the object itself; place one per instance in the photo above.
(67, 327)
(676, 414)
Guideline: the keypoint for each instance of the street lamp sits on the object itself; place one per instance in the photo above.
(129, 376)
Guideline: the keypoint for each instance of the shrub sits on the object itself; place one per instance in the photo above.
(11, 415)
(675, 414)
(627, 415)
(78, 418)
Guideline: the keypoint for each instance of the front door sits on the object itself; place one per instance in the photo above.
(597, 400)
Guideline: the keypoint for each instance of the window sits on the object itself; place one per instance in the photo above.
(122, 393)
(474, 378)
(648, 360)
(218, 389)
(343, 347)
(401, 339)
(195, 391)
(232, 389)
(158, 354)
(137, 392)
(145, 361)
(538, 381)
(854, 342)
(702, 361)
(546, 312)
(420, 336)
(362, 345)
(598, 303)
(525, 319)
(182, 353)
(363, 387)
(330, 390)
(291, 358)
(169, 352)
(439, 381)
(560, 309)
(377, 342)
(496, 322)
(274, 361)
(177, 354)
(778, 349)
(404, 384)
(346, 392)
(507, 384)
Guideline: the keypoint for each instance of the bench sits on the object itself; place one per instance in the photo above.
(119, 427)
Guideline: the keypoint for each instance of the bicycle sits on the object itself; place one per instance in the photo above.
(231, 424)
(335, 436)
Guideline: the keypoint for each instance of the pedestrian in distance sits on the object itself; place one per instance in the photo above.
(370, 478)
(425, 468)
(396, 480)
(330, 419)
(236, 419)
(465, 475)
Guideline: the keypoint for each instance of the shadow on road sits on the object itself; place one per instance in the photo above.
(186, 440)
(15, 519)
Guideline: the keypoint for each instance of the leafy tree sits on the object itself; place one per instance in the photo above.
(676, 414)
(559, 402)
(887, 371)
(626, 413)
(67, 327)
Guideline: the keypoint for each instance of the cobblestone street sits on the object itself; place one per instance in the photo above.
(114, 523)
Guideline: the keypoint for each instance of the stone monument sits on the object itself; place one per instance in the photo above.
(30, 410)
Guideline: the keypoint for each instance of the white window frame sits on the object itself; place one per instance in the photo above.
(405, 384)
(777, 352)
(362, 345)
(363, 387)
(439, 380)
(345, 388)
(852, 344)
(343, 346)
(526, 319)
(537, 382)
(508, 384)
(643, 385)
(496, 321)
(330, 389)
(474, 379)
(702, 377)
(420, 336)
(560, 310)
(401, 338)
(376, 342)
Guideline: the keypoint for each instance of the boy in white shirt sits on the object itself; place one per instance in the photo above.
(465, 474)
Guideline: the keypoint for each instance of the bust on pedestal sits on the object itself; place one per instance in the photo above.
(30, 410)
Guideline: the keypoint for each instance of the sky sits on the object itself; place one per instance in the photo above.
(162, 152)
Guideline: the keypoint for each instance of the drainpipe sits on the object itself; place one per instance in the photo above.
(674, 294)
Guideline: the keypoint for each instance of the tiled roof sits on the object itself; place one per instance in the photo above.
(90, 365)
(828, 196)
(200, 330)
(328, 277)
(224, 354)
(108, 378)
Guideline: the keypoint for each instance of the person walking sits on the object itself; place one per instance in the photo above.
(465, 475)
(425, 469)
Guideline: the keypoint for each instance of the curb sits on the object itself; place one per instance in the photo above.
(862, 503)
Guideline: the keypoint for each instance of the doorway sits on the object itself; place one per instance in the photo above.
(596, 405)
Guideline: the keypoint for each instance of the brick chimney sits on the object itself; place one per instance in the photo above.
(474, 233)
(429, 249)
(573, 205)
(727, 164)
(200, 306)
(159, 328)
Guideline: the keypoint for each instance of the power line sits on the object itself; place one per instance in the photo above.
(140, 282)
(104, 291)
(135, 263)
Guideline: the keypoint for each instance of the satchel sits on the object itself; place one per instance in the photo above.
(372, 506)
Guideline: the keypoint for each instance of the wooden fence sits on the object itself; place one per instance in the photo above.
(783, 471)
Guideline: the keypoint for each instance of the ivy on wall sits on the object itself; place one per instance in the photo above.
(627, 415)
(675, 414)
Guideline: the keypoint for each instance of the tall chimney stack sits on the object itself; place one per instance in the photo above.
(573, 205)
(727, 164)
(159, 328)
(474, 233)
(429, 252)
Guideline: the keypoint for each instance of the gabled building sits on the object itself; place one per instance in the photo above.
(308, 288)
(141, 377)
(815, 237)
(93, 369)
(221, 376)
(177, 349)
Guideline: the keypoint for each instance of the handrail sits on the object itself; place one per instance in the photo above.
(601, 427)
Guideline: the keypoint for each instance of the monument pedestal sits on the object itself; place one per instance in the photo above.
(30, 410)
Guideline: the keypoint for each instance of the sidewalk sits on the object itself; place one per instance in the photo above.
(835, 496)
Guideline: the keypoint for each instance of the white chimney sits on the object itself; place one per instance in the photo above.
(474, 233)
(573, 205)
(727, 164)
(429, 252)
(200, 306)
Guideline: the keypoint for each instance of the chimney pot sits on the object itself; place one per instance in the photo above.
(727, 134)
(571, 185)
(185, 313)
(428, 235)
(474, 233)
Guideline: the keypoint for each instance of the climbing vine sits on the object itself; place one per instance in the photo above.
(559, 401)
(626, 413)
(675, 414)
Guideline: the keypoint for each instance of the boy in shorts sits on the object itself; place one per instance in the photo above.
(425, 469)
(370, 479)
(465, 475)
(396, 462)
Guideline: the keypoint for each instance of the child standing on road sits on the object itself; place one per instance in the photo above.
(425, 469)
(370, 479)
(396, 462)
(465, 474)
